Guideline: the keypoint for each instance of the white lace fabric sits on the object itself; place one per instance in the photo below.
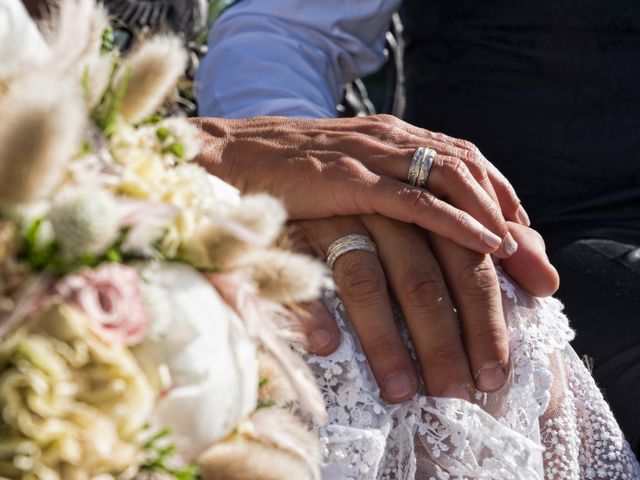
(549, 422)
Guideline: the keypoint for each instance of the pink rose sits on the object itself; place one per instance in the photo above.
(111, 297)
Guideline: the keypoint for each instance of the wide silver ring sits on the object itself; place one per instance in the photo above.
(346, 244)
(420, 166)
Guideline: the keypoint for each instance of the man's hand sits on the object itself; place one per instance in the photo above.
(330, 167)
(458, 350)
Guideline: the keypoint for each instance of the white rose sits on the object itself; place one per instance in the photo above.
(207, 356)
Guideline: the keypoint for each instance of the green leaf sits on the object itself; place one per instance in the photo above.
(151, 120)
(163, 133)
(113, 255)
(160, 457)
(107, 40)
(176, 149)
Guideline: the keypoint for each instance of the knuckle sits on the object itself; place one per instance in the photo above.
(348, 165)
(491, 334)
(478, 277)
(390, 126)
(386, 118)
(443, 355)
(441, 137)
(383, 349)
(467, 145)
(359, 281)
(424, 289)
(422, 199)
(476, 165)
(460, 170)
(462, 219)
(416, 201)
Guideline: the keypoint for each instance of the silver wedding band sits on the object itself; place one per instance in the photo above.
(420, 166)
(348, 243)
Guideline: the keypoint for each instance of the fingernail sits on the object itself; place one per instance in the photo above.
(397, 386)
(523, 217)
(510, 246)
(491, 239)
(319, 339)
(462, 392)
(490, 376)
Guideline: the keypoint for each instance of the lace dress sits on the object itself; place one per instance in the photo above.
(549, 422)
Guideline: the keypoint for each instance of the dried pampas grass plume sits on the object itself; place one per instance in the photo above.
(278, 448)
(151, 73)
(43, 123)
(287, 277)
(262, 214)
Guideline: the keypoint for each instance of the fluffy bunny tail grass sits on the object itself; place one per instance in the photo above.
(151, 73)
(262, 214)
(43, 123)
(244, 458)
(288, 277)
(275, 387)
(278, 448)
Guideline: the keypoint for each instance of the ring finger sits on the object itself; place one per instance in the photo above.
(361, 284)
(464, 187)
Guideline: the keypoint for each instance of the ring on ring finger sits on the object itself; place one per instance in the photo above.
(420, 166)
(348, 243)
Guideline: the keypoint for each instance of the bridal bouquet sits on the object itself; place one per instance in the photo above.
(144, 328)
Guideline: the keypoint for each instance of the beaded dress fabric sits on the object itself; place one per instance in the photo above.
(549, 422)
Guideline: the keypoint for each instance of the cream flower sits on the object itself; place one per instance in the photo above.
(179, 136)
(70, 401)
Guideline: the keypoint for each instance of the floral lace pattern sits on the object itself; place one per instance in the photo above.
(550, 421)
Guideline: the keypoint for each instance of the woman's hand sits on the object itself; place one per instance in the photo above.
(458, 350)
(336, 167)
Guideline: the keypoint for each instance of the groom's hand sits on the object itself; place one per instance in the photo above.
(427, 275)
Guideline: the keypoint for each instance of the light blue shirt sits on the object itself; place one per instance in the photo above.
(290, 57)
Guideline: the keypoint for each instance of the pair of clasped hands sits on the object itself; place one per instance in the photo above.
(434, 245)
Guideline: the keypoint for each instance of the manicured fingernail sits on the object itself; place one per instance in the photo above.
(319, 339)
(490, 376)
(491, 239)
(510, 246)
(523, 217)
(397, 386)
(462, 392)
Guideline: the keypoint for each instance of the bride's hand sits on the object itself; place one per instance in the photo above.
(427, 277)
(329, 167)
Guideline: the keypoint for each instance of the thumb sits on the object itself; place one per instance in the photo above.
(530, 266)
